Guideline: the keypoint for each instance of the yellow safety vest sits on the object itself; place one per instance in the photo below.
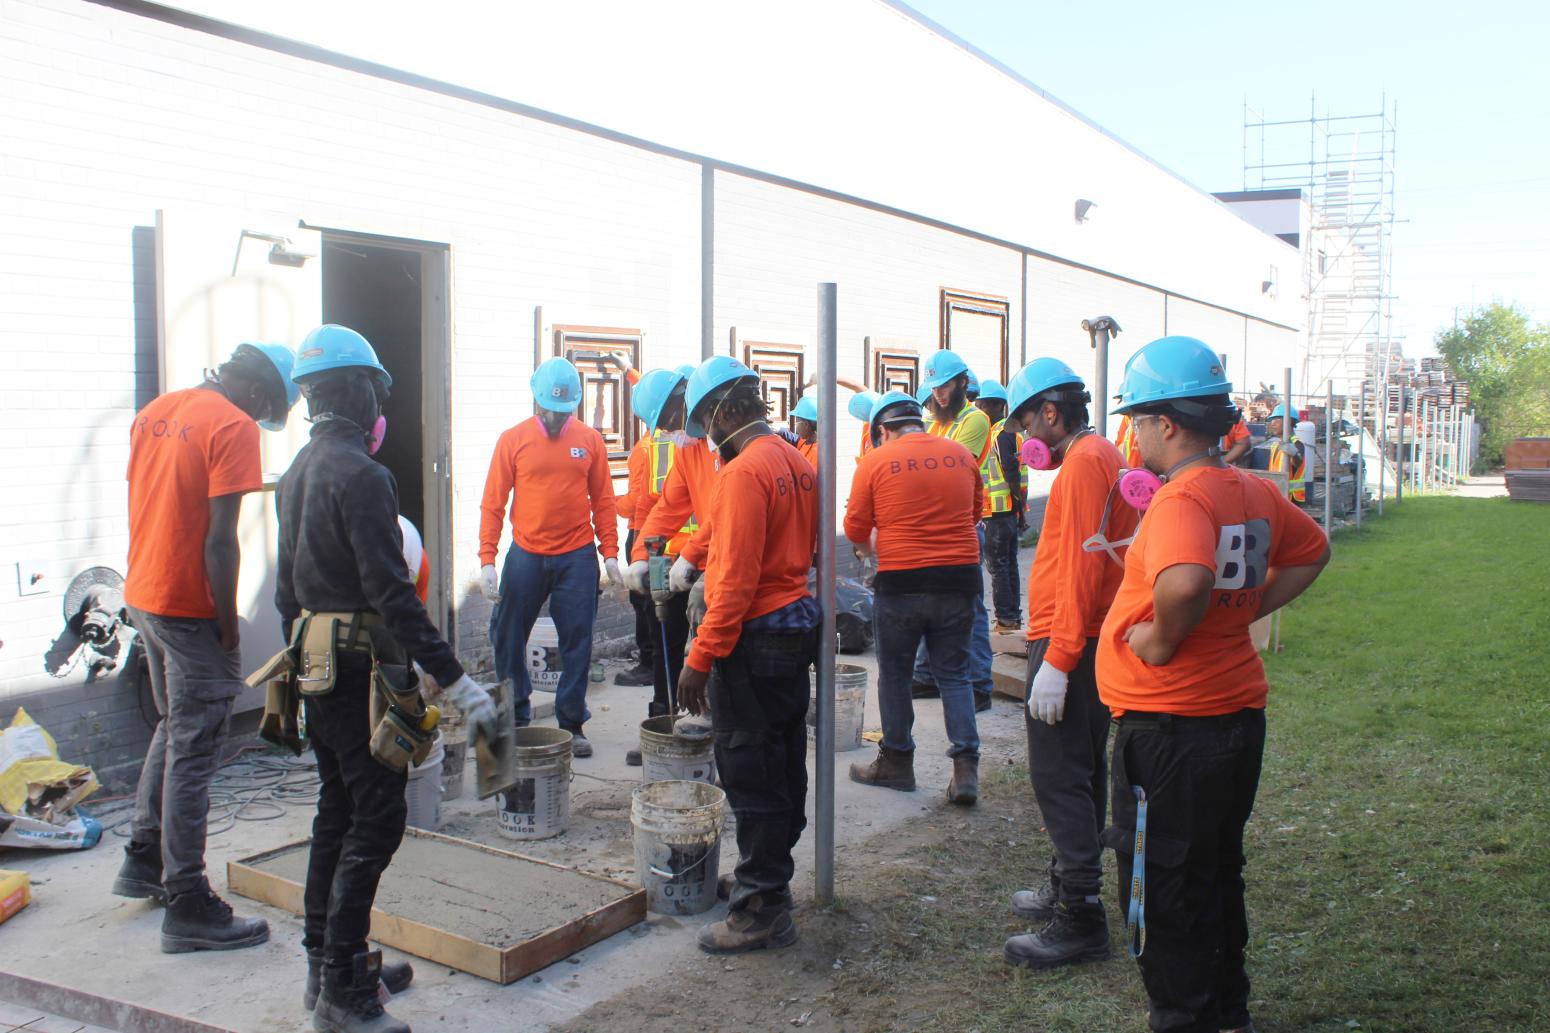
(998, 494)
(661, 466)
(1286, 460)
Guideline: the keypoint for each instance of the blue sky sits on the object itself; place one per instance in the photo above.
(1471, 83)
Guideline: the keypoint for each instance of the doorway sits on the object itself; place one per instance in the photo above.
(394, 293)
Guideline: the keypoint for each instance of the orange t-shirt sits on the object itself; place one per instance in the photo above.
(1240, 430)
(564, 491)
(687, 492)
(1070, 589)
(922, 493)
(766, 508)
(639, 485)
(1238, 525)
(185, 448)
(866, 439)
(809, 451)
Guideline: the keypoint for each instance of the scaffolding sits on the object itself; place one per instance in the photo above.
(1344, 164)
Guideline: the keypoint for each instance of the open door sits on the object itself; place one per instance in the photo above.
(223, 278)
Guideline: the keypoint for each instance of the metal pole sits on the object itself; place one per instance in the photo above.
(1382, 414)
(1288, 411)
(1399, 448)
(1101, 382)
(828, 423)
(1329, 457)
(1361, 452)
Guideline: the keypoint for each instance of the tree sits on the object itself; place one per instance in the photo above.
(1506, 360)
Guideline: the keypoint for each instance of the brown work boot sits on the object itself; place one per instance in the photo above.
(964, 789)
(890, 769)
(752, 928)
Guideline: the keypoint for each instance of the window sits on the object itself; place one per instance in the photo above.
(973, 324)
(781, 369)
(892, 368)
(605, 394)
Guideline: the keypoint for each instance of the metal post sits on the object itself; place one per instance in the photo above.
(828, 422)
(1100, 332)
(1361, 452)
(1399, 448)
(1382, 415)
(1288, 411)
(1329, 457)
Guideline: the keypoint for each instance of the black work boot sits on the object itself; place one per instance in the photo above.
(199, 920)
(1038, 904)
(638, 675)
(349, 1003)
(139, 877)
(396, 977)
(760, 925)
(890, 769)
(964, 788)
(1076, 933)
(924, 690)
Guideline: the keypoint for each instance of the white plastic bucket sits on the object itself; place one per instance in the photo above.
(537, 806)
(543, 656)
(664, 757)
(423, 791)
(678, 844)
(849, 707)
(454, 763)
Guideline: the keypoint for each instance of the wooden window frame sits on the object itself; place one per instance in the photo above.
(954, 300)
(782, 369)
(620, 437)
(887, 368)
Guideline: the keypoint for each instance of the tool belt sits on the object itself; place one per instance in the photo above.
(403, 729)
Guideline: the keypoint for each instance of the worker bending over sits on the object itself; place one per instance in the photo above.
(553, 470)
(1003, 509)
(347, 599)
(754, 647)
(920, 495)
(1069, 592)
(1218, 549)
(953, 416)
(193, 454)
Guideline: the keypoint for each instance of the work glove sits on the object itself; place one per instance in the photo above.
(636, 575)
(611, 568)
(1047, 700)
(489, 583)
(682, 575)
(696, 605)
(474, 701)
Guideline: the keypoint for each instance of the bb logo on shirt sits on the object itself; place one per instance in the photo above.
(1242, 555)
(578, 453)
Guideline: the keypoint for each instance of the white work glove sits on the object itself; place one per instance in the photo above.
(611, 569)
(474, 701)
(636, 575)
(1047, 701)
(490, 583)
(696, 609)
(682, 575)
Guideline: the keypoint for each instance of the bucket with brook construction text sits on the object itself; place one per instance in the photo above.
(666, 757)
(423, 790)
(537, 806)
(678, 844)
(543, 656)
(849, 707)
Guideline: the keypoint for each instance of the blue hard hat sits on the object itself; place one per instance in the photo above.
(332, 346)
(1036, 378)
(992, 391)
(687, 369)
(1279, 412)
(944, 366)
(860, 405)
(973, 388)
(1169, 368)
(557, 385)
(922, 394)
(806, 409)
(715, 372)
(283, 360)
(651, 395)
(887, 401)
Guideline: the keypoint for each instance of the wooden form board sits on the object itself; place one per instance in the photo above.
(484, 911)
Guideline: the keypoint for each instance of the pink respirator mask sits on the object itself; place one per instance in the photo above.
(378, 432)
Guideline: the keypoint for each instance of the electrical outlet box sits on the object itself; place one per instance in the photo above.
(29, 578)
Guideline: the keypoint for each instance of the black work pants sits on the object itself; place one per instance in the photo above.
(1000, 559)
(360, 819)
(665, 667)
(758, 702)
(1070, 774)
(1200, 775)
(646, 642)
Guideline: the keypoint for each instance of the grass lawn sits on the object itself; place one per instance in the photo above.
(1399, 854)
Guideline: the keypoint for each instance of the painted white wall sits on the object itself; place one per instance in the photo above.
(1281, 215)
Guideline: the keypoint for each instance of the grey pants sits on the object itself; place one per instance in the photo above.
(194, 683)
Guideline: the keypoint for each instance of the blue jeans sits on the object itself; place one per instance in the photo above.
(569, 582)
(944, 623)
(980, 656)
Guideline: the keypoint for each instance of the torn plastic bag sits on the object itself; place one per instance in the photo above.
(852, 613)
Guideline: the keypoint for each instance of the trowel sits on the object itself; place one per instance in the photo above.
(496, 761)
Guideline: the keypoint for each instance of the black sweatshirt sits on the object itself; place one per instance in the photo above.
(341, 548)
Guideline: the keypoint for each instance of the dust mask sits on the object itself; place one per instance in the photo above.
(377, 434)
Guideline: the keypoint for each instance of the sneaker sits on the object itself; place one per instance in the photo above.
(198, 920)
(579, 747)
(635, 676)
(1075, 933)
(632, 758)
(755, 927)
(139, 877)
(981, 703)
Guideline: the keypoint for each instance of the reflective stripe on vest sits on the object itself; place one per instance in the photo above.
(950, 431)
(661, 466)
(998, 494)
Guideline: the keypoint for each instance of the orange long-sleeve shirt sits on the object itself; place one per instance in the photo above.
(688, 492)
(639, 485)
(1070, 590)
(561, 491)
(766, 505)
(922, 493)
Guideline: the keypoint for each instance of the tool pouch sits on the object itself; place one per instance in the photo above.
(316, 662)
(281, 723)
(397, 709)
